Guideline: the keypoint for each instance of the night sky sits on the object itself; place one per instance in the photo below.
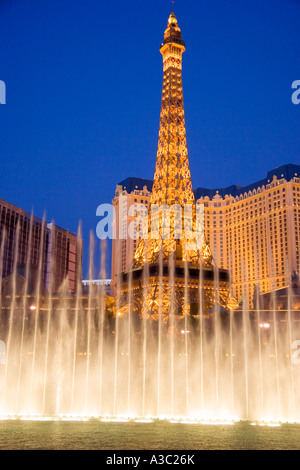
(84, 79)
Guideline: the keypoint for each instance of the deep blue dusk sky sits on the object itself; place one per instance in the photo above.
(84, 82)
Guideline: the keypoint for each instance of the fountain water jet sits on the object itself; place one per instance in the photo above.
(88, 360)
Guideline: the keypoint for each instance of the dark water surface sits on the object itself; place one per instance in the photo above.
(97, 435)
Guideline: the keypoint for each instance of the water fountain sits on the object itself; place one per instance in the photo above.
(69, 355)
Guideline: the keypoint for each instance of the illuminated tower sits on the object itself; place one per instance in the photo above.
(172, 192)
(172, 180)
(172, 250)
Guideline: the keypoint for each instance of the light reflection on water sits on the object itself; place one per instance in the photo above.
(94, 434)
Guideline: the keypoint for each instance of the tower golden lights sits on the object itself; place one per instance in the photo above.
(172, 188)
(173, 239)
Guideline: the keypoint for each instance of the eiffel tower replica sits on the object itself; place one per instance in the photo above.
(173, 269)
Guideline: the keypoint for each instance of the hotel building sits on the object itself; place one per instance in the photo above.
(28, 240)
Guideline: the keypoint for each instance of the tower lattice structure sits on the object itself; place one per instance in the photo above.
(172, 255)
(172, 188)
